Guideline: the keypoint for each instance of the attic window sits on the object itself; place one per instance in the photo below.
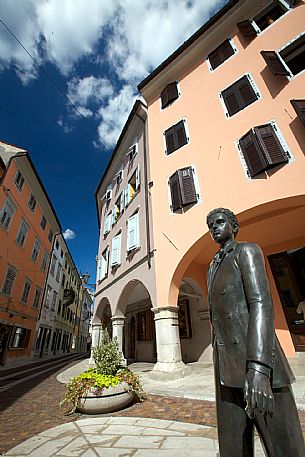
(221, 54)
(169, 94)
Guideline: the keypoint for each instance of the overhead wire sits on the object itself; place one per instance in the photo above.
(58, 88)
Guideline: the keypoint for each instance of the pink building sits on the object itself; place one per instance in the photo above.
(226, 127)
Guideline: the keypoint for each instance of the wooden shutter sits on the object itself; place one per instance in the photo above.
(270, 145)
(175, 191)
(127, 195)
(274, 63)
(116, 250)
(104, 263)
(133, 232)
(220, 54)
(239, 95)
(252, 153)
(170, 140)
(9, 280)
(180, 133)
(107, 224)
(113, 215)
(247, 29)
(299, 106)
(137, 177)
(169, 94)
(187, 186)
(122, 198)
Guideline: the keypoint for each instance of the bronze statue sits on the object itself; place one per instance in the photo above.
(252, 375)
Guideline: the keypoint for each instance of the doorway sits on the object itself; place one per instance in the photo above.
(288, 269)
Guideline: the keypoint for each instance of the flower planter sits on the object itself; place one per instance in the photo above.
(110, 400)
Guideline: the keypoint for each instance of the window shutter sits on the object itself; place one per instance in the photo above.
(126, 195)
(291, 3)
(170, 140)
(180, 134)
(175, 191)
(274, 63)
(239, 95)
(299, 106)
(107, 224)
(164, 98)
(169, 94)
(104, 263)
(220, 54)
(252, 153)
(113, 215)
(187, 186)
(137, 177)
(116, 250)
(99, 269)
(9, 280)
(246, 28)
(271, 147)
(133, 232)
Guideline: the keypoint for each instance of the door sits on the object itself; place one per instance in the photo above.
(132, 338)
(5, 335)
(288, 269)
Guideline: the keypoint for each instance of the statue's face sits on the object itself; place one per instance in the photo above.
(220, 228)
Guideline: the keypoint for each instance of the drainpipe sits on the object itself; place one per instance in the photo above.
(149, 253)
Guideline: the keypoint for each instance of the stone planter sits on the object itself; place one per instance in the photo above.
(111, 399)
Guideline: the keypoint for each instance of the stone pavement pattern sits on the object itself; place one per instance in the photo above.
(123, 436)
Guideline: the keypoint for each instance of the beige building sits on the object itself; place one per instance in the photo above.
(225, 127)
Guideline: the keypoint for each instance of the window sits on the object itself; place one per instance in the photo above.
(44, 261)
(57, 245)
(63, 280)
(175, 137)
(118, 208)
(59, 307)
(22, 232)
(182, 188)
(48, 296)
(299, 106)
(36, 249)
(37, 296)
(265, 18)
(145, 325)
(26, 291)
(132, 187)
(53, 264)
(169, 94)
(133, 238)
(9, 281)
(21, 338)
(50, 236)
(239, 95)
(58, 272)
(184, 318)
(6, 214)
(32, 202)
(61, 253)
(119, 176)
(221, 54)
(19, 181)
(262, 149)
(43, 222)
(289, 61)
(132, 151)
(54, 298)
(116, 250)
(108, 194)
(102, 265)
(107, 224)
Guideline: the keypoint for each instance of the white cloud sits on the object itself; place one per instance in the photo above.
(122, 39)
(68, 234)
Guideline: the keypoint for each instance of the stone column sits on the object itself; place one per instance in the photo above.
(96, 332)
(118, 331)
(169, 360)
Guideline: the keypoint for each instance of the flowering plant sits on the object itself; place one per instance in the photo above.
(109, 372)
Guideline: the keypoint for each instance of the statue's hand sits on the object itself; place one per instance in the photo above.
(258, 394)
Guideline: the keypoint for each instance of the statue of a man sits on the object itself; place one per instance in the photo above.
(252, 375)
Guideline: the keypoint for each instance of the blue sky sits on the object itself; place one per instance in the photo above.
(96, 52)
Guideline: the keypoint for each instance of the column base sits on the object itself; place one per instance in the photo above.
(168, 371)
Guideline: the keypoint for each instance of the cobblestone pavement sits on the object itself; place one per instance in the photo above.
(34, 408)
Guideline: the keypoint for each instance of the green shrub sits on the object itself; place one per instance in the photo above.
(107, 357)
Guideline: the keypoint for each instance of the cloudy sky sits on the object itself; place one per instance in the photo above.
(69, 71)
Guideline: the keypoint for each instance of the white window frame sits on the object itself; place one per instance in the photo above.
(133, 232)
(19, 180)
(7, 213)
(26, 291)
(235, 51)
(22, 233)
(281, 139)
(197, 189)
(32, 203)
(187, 134)
(36, 248)
(133, 151)
(107, 224)
(44, 260)
(179, 95)
(295, 38)
(116, 250)
(37, 296)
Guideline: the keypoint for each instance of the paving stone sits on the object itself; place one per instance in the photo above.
(118, 429)
(102, 452)
(188, 443)
(76, 448)
(60, 429)
(154, 423)
(102, 440)
(175, 453)
(28, 446)
(140, 442)
(161, 431)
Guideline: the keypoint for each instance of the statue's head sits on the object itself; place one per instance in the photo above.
(229, 215)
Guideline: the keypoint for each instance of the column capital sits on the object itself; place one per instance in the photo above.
(166, 312)
(118, 320)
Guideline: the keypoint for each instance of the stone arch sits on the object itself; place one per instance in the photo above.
(277, 226)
